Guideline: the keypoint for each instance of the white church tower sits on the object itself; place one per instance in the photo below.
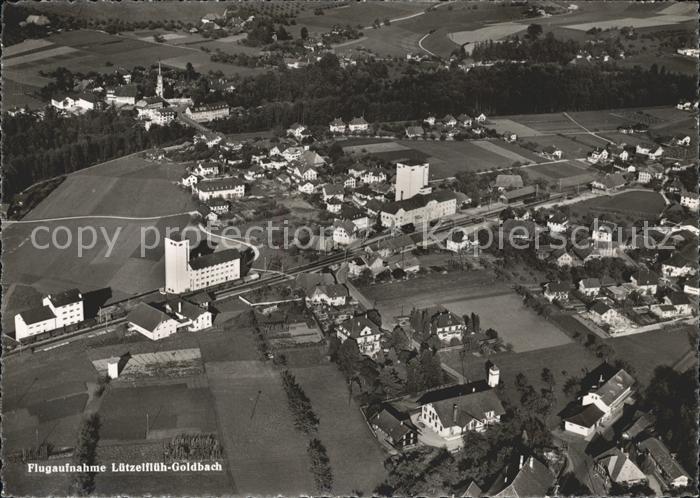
(177, 256)
(494, 376)
(159, 83)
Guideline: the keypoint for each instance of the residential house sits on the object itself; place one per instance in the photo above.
(449, 120)
(218, 205)
(206, 169)
(658, 455)
(645, 281)
(312, 159)
(189, 180)
(307, 186)
(358, 125)
(464, 120)
(605, 313)
(122, 95)
(677, 266)
(680, 302)
(292, 153)
(514, 230)
(373, 175)
(430, 121)
(356, 266)
(589, 286)
(557, 291)
(337, 126)
(330, 295)
(297, 130)
(459, 240)
(394, 428)
(333, 205)
(552, 153)
(349, 182)
(563, 258)
(414, 131)
(344, 233)
(652, 151)
(603, 231)
(481, 118)
(305, 172)
(649, 172)
(529, 477)
(191, 316)
(447, 326)
(452, 412)
(597, 155)
(618, 468)
(363, 331)
(690, 200)
(682, 141)
(558, 222)
(333, 191)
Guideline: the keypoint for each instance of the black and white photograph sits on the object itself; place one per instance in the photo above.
(349, 248)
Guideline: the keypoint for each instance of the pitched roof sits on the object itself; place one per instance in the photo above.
(663, 458)
(65, 298)
(332, 290)
(333, 189)
(353, 326)
(418, 201)
(645, 277)
(337, 122)
(509, 181)
(215, 258)
(470, 406)
(614, 387)
(587, 417)
(126, 91)
(473, 491)
(147, 317)
(219, 185)
(619, 467)
(36, 315)
(392, 425)
(612, 181)
(558, 287)
(520, 192)
(358, 121)
(532, 479)
(600, 308)
(590, 283)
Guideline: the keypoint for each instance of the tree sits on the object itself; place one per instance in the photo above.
(569, 485)
(304, 33)
(348, 357)
(548, 378)
(534, 31)
(85, 452)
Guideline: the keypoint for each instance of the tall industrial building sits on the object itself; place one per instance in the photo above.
(183, 274)
(411, 179)
(159, 83)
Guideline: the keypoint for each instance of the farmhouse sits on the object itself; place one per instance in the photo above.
(414, 131)
(509, 181)
(394, 428)
(363, 331)
(552, 153)
(358, 125)
(225, 188)
(453, 411)
(663, 462)
(597, 155)
(337, 126)
(151, 322)
(677, 266)
(57, 310)
(645, 281)
(609, 183)
(183, 274)
(208, 112)
(419, 209)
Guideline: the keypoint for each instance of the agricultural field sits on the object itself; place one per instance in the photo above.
(450, 157)
(358, 14)
(265, 453)
(463, 293)
(674, 14)
(355, 455)
(566, 173)
(574, 146)
(632, 205)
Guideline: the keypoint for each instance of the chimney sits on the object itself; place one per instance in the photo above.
(454, 413)
(532, 462)
(520, 465)
(179, 306)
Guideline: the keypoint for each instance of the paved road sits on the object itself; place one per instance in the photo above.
(98, 217)
(586, 129)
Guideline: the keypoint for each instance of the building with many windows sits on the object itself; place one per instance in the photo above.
(208, 112)
(57, 310)
(225, 188)
(183, 274)
(419, 209)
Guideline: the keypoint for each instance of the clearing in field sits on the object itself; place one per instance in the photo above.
(636, 22)
(266, 454)
(646, 204)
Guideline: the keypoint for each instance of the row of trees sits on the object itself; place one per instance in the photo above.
(532, 49)
(85, 453)
(305, 420)
(36, 149)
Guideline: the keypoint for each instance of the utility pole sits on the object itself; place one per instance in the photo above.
(252, 413)
(147, 425)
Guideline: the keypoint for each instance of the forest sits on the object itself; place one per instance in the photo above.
(36, 149)
(323, 91)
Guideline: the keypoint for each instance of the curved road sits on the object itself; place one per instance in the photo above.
(97, 217)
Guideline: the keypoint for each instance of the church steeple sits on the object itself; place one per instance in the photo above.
(159, 83)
